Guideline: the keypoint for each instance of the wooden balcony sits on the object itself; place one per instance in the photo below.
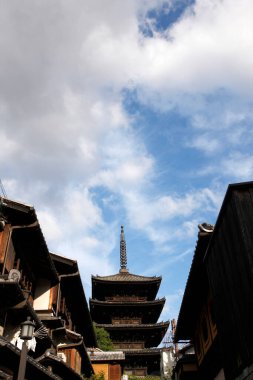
(128, 345)
(126, 299)
(126, 321)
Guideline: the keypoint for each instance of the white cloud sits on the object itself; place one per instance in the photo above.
(239, 165)
(126, 165)
(92, 47)
(8, 146)
(63, 96)
(66, 134)
(207, 49)
(82, 210)
(144, 212)
(75, 228)
(51, 225)
(206, 143)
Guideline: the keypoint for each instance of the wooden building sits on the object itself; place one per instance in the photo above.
(185, 367)
(38, 284)
(199, 326)
(108, 363)
(125, 305)
(217, 308)
(64, 310)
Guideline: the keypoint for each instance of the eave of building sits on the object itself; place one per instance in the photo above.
(243, 186)
(51, 322)
(71, 283)
(58, 366)
(18, 213)
(10, 358)
(194, 292)
(11, 293)
(28, 238)
(63, 264)
(71, 339)
(63, 337)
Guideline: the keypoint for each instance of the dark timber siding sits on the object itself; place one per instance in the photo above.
(229, 263)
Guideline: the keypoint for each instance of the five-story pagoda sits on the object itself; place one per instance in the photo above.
(125, 305)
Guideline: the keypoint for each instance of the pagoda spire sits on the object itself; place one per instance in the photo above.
(123, 255)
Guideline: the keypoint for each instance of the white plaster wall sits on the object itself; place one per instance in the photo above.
(220, 375)
(42, 295)
(167, 363)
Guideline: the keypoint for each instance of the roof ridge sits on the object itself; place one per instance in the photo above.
(125, 276)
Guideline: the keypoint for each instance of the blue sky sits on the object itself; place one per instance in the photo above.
(134, 113)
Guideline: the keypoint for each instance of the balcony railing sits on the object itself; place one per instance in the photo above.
(126, 299)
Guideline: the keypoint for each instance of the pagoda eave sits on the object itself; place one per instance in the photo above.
(126, 278)
(136, 304)
(148, 326)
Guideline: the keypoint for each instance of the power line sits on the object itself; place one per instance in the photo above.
(3, 189)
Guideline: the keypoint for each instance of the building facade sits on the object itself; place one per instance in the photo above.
(108, 363)
(37, 284)
(217, 308)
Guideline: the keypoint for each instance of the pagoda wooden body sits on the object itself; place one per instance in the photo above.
(125, 305)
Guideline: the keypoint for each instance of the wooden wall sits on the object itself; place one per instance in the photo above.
(73, 359)
(111, 371)
(101, 368)
(229, 263)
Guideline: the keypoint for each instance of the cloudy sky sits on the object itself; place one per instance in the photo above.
(135, 113)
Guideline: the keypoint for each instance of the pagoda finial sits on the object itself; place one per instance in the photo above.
(123, 255)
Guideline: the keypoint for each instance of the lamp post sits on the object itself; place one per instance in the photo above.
(27, 330)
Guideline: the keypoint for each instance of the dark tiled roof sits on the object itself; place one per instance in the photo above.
(27, 232)
(105, 356)
(59, 366)
(126, 277)
(13, 356)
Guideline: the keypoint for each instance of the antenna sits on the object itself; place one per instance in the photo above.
(2, 217)
(123, 255)
(3, 189)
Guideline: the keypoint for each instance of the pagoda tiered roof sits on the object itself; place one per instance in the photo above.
(127, 277)
(146, 326)
(152, 333)
(125, 305)
(125, 283)
(103, 311)
(128, 302)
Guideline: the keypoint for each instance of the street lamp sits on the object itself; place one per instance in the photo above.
(27, 330)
